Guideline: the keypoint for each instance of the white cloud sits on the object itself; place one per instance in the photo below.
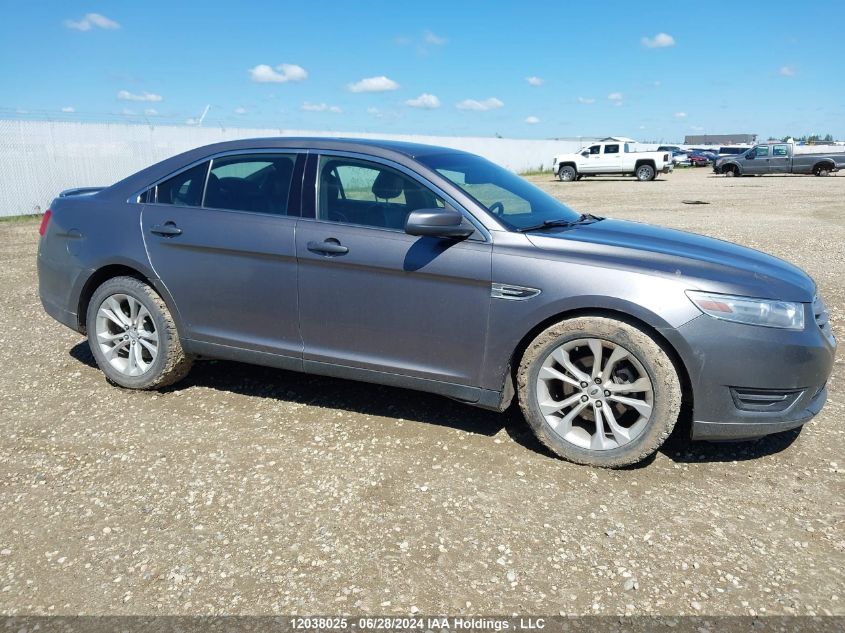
(68, 109)
(586, 100)
(615, 98)
(787, 71)
(532, 120)
(21, 111)
(90, 21)
(128, 112)
(425, 101)
(282, 73)
(373, 84)
(320, 107)
(480, 106)
(191, 121)
(535, 81)
(434, 40)
(680, 115)
(151, 112)
(240, 110)
(125, 95)
(696, 128)
(661, 40)
(375, 112)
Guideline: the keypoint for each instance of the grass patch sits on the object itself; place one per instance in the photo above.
(10, 219)
(537, 172)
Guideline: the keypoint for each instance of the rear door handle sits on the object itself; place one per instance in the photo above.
(330, 247)
(168, 229)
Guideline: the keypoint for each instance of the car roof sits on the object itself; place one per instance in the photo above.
(400, 151)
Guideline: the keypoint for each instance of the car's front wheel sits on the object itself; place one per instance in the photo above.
(598, 391)
(567, 173)
(133, 337)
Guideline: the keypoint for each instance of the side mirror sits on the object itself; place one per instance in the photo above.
(446, 223)
(585, 154)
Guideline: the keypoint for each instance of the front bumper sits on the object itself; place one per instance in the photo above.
(725, 359)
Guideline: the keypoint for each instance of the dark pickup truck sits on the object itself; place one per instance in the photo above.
(779, 158)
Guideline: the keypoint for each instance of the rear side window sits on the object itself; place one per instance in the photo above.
(780, 150)
(253, 182)
(183, 189)
(611, 149)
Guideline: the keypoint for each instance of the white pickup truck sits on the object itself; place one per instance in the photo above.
(611, 157)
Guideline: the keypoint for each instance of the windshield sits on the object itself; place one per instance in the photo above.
(512, 200)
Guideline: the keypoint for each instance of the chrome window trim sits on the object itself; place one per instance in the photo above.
(450, 200)
(135, 197)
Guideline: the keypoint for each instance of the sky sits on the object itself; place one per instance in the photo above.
(650, 71)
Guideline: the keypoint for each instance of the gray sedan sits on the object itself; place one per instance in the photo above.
(433, 269)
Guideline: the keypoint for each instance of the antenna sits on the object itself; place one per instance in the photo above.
(202, 116)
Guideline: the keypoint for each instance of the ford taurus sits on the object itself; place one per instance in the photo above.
(436, 270)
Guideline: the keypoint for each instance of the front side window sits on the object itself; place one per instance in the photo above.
(354, 191)
(611, 149)
(595, 149)
(258, 183)
(780, 150)
(514, 201)
(183, 189)
(762, 151)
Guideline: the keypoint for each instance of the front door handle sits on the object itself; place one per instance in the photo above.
(330, 247)
(168, 229)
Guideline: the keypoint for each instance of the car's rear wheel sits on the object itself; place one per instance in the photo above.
(645, 173)
(133, 337)
(598, 391)
(567, 173)
(822, 170)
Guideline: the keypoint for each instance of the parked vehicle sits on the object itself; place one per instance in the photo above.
(680, 158)
(733, 150)
(779, 158)
(699, 159)
(611, 157)
(433, 269)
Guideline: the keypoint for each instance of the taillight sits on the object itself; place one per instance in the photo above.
(45, 220)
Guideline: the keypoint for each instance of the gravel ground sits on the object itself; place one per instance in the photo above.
(248, 490)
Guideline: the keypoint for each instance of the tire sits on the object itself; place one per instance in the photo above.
(730, 171)
(822, 170)
(576, 440)
(137, 352)
(645, 173)
(567, 173)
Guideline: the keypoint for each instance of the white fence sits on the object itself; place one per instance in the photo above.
(40, 158)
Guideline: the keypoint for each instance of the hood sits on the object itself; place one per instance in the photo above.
(707, 263)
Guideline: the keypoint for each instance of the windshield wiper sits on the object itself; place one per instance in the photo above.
(584, 218)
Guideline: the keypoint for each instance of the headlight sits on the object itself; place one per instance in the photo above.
(765, 312)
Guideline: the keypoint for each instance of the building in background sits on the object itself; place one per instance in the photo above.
(720, 139)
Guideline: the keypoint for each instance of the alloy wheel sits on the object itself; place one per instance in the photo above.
(126, 334)
(594, 394)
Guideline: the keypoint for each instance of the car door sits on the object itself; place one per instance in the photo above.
(375, 298)
(592, 161)
(756, 161)
(611, 158)
(779, 163)
(220, 236)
